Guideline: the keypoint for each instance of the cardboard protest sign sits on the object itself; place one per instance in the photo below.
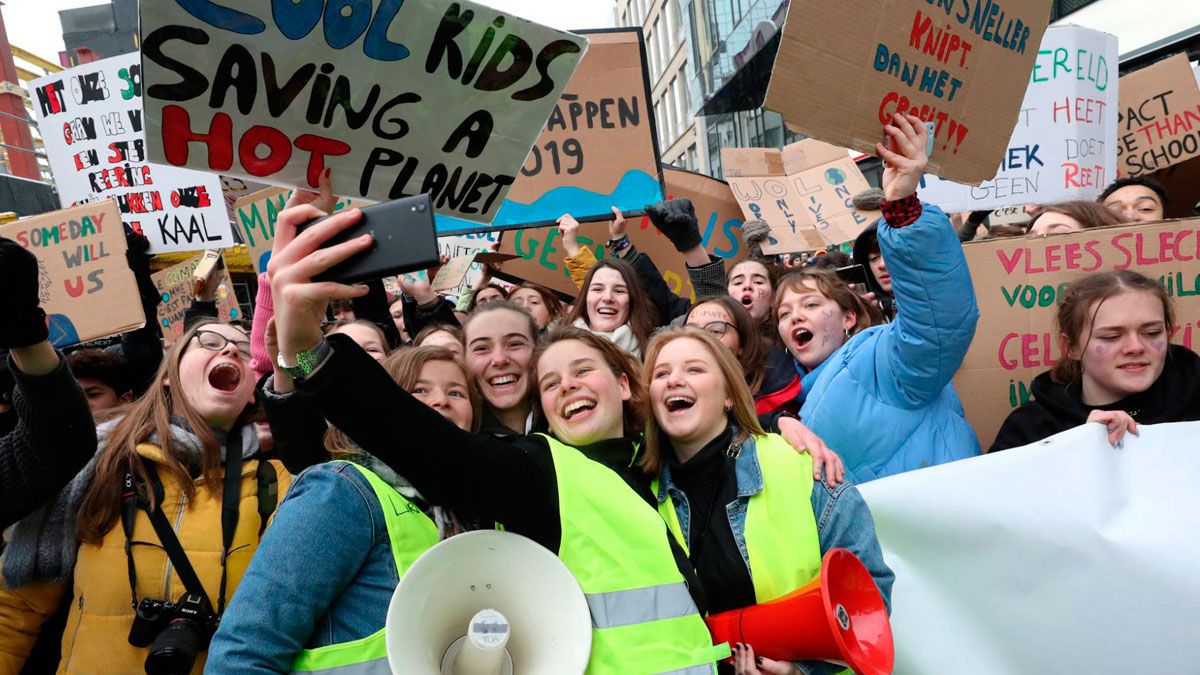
(1065, 143)
(1019, 283)
(599, 147)
(962, 65)
(541, 258)
(175, 284)
(1159, 118)
(91, 120)
(84, 283)
(397, 98)
(255, 216)
(803, 192)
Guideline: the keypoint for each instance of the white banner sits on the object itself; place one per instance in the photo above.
(90, 117)
(1065, 556)
(396, 97)
(1064, 145)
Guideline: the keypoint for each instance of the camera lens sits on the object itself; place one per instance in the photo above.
(174, 652)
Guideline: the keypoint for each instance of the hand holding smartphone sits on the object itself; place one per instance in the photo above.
(405, 240)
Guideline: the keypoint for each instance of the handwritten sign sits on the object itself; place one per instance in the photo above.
(255, 216)
(1019, 283)
(175, 284)
(84, 283)
(598, 148)
(90, 118)
(839, 76)
(1160, 117)
(541, 258)
(1065, 143)
(398, 98)
(803, 192)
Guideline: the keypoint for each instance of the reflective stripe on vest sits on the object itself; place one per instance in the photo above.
(411, 533)
(781, 529)
(616, 546)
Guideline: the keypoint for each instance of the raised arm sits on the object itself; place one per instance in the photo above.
(936, 312)
(449, 466)
(54, 436)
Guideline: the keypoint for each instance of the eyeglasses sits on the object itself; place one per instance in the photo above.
(215, 342)
(718, 328)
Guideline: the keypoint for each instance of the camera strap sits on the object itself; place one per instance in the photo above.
(230, 503)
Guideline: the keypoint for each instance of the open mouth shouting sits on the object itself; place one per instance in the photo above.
(801, 338)
(747, 299)
(225, 377)
(678, 402)
(577, 409)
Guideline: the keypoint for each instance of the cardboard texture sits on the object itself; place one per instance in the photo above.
(90, 118)
(398, 98)
(541, 258)
(1064, 145)
(175, 284)
(1159, 123)
(1018, 283)
(84, 282)
(843, 70)
(452, 273)
(598, 148)
(255, 216)
(803, 192)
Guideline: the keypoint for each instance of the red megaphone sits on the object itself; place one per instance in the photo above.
(838, 616)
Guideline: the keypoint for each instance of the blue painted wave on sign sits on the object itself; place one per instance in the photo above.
(635, 190)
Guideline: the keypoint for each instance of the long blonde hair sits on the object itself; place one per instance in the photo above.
(742, 414)
(147, 417)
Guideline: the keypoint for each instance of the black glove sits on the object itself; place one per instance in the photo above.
(137, 256)
(676, 219)
(22, 322)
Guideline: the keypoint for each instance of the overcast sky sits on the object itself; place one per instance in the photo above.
(33, 24)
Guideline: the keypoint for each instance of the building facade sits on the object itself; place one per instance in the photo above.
(731, 47)
(667, 60)
(99, 31)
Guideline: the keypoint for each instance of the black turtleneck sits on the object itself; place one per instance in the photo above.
(709, 482)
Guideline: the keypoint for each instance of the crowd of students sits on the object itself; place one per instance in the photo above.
(234, 504)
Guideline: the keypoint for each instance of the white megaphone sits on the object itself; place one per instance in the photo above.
(488, 603)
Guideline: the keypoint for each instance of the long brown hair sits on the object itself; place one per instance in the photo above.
(553, 305)
(1087, 214)
(643, 317)
(831, 286)
(617, 360)
(150, 416)
(1081, 302)
(742, 414)
(753, 358)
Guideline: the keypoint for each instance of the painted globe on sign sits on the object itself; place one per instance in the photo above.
(835, 176)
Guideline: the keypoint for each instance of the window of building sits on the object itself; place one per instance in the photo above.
(693, 158)
(667, 131)
(650, 62)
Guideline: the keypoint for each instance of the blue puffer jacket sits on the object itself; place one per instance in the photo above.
(884, 400)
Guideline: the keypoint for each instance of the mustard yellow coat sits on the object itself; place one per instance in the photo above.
(97, 632)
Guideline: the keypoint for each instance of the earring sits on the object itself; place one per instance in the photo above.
(847, 331)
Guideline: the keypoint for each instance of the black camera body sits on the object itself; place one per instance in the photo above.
(175, 632)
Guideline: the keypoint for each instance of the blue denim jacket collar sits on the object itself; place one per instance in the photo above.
(746, 466)
(749, 478)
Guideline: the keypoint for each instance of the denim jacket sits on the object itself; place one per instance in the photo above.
(324, 575)
(843, 521)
